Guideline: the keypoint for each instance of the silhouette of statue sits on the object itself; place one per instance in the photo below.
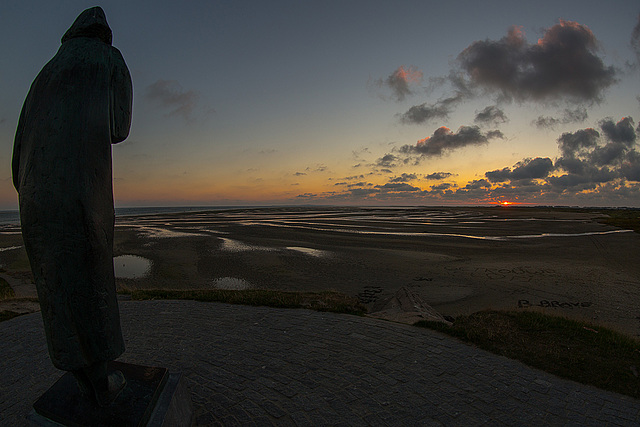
(78, 105)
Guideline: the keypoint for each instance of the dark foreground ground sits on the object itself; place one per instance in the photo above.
(264, 366)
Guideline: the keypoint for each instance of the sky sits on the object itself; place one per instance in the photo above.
(357, 102)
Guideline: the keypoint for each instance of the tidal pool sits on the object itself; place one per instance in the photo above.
(131, 266)
(309, 251)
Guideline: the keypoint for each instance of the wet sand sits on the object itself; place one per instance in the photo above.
(458, 260)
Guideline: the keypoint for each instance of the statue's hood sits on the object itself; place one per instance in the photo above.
(90, 23)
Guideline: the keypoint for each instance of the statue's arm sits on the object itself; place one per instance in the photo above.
(121, 99)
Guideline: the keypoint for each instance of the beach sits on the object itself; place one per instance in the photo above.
(457, 260)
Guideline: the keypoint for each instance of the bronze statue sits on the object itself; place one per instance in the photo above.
(78, 105)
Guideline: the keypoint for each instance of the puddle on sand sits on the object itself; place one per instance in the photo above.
(131, 266)
(231, 245)
(231, 283)
(308, 251)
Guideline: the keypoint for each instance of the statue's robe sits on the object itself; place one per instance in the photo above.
(78, 105)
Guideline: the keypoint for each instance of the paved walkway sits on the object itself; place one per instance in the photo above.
(264, 366)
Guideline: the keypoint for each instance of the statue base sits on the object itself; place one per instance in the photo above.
(152, 397)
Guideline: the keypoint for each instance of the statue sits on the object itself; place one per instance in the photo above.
(78, 105)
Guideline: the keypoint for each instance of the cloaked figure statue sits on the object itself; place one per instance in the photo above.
(78, 105)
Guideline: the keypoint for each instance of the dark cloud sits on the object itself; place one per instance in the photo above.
(362, 192)
(587, 180)
(578, 115)
(404, 177)
(400, 80)
(169, 94)
(387, 161)
(360, 184)
(562, 63)
(353, 177)
(622, 132)
(299, 173)
(498, 175)
(397, 187)
(491, 115)
(439, 175)
(539, 167)
(423, 113)
(631, 166)
(589, 164)
(441, 187)
(477, 184)
(572, 142)
(316, 168)
(569, 116)
(609, 154)
(493, 134)
(635, 38)
(544, 122)
(527, 169)
(443, 140)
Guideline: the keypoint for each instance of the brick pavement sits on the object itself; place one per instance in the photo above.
(264, 366)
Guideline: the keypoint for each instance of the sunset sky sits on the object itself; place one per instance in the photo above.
(357, 102)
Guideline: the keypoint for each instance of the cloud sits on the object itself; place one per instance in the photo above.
(424, 113)
(169, 94)
(387, 161)
(397, 187)
(477, 184)
(630, 168)
(441, 187)
(622, 132)
(526, 169)
(444, 140)
(577, 115)
(400, 80)
(564, 62)
(635, 38)
(439, 175)
(570, 143)
(299, 174)
(589, 163)
(404, 177)
(316, 168)
(491, 115)
(596, 167)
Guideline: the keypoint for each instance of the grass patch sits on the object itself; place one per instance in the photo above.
(6, 291)
(320, 301)
(563, 347)
(628, 219)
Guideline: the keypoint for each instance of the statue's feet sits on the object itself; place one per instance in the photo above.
(84, 385)
(111, 388)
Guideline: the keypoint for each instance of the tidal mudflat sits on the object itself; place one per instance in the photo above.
(458, 260)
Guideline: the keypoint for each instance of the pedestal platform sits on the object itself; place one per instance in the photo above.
(152, 397)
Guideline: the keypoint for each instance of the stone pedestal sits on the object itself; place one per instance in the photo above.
(152, 397)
